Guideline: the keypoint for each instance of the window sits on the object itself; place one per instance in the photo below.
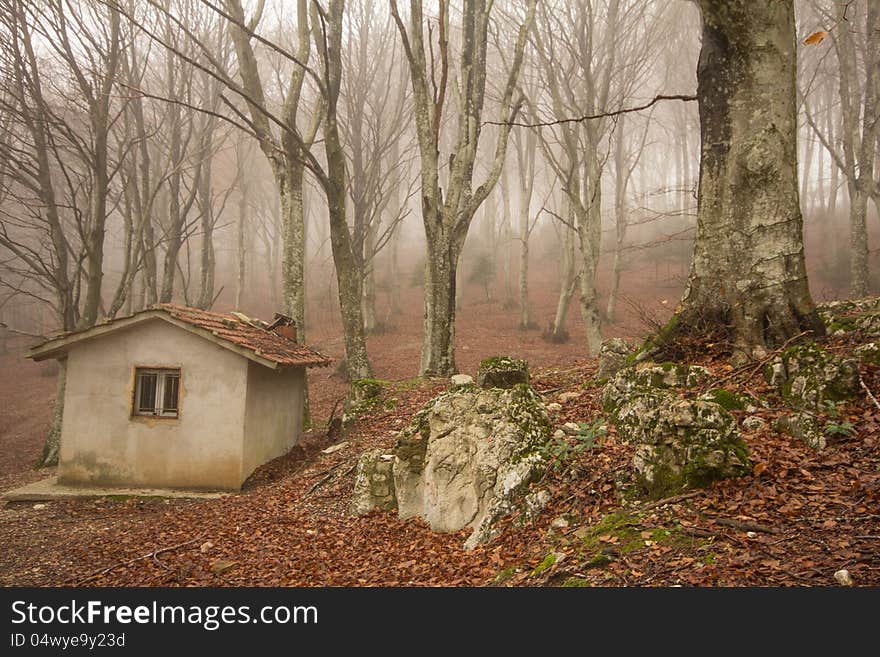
(156, 392)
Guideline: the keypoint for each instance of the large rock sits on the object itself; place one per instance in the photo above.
(680, 443)
(868, 354)
(808, 377)
(467, 460)
(612, 357)
(647, 377)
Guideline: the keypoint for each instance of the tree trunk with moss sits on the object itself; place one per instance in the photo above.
(748, 273)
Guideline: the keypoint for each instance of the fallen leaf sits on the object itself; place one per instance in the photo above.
(815, 38)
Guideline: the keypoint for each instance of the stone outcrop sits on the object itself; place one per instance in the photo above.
(466, 460)
(680, 443)
(851, 315)
(807, 376)
(612, 357)
(648, 377)
(868, 353)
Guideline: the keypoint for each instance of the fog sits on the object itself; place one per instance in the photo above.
(332, 161)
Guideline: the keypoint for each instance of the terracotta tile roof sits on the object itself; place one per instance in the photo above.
(250, 335)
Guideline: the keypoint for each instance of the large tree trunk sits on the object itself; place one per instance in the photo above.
(748, 273)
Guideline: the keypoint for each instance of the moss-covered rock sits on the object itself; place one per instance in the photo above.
(647, 377)
(502, 372)
(364, 389)
(728, 400)
(869, 353)
(804, 427)
(808, 376)
(680, 443)
(851, 315)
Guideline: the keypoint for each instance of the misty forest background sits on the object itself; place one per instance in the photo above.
(348, 163)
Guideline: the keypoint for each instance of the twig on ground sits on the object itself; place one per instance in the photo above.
(744, 526)
(868, 390)
(669, 500)
(121, 564)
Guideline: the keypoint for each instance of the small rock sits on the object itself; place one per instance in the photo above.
(459, 380)
(753, 423)
(559, 434)
(220, 567)
(566, 397)
(559, 523)
(554, 407)
(204, 547)
(335, 448)
(843, 577)
(612, 357)
(502, 372)
(752, 534)
(805, 428)
(39, 506)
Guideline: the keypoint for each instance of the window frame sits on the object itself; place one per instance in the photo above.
(163, 373)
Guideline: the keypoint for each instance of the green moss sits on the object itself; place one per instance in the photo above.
(367, 388)
(575, 583)
(729, 401)
(504, 575)
(709, 558)
(622, 525)
(598, 560)
(546, 564)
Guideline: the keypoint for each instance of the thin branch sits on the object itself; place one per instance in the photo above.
(591, 117)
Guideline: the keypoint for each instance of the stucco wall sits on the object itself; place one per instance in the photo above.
(101, 444)
(273, 415)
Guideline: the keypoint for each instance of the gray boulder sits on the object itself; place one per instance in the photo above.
(468, 458)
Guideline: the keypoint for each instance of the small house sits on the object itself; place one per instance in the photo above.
(177, 397)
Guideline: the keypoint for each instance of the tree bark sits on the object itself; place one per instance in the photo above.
(748, 274)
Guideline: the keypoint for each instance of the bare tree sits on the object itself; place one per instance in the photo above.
(448, 216)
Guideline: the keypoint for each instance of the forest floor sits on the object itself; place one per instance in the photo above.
(799, 517)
